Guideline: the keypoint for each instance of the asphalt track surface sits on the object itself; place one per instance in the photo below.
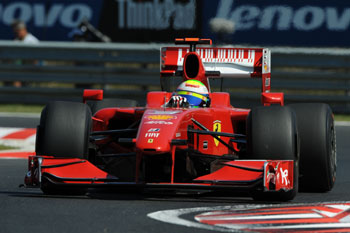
(28, 210)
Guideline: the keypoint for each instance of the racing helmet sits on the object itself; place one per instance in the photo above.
(195, 92)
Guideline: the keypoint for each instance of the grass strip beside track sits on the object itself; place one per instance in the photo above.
(21, 108)
(4, 147)
(340, 117)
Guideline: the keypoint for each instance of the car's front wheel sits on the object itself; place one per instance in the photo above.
(63, 132)
(272, 135)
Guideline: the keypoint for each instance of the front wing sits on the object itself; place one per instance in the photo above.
(267, 175)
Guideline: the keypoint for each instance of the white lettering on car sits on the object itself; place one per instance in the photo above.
(151, 135)
(159, 122)
(284, 177)
(154, 130)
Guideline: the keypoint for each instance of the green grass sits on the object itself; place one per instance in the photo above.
(3, 147)
(21, 108)
(339, 117)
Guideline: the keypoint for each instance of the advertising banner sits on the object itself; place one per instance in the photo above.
(151, 21)
(121, 20)
(256, 22)
(47, 19)
(276, 22)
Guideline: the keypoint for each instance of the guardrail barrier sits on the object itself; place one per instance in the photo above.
(60, 70)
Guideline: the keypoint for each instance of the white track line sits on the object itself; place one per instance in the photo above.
(342, 123)
(174, 216)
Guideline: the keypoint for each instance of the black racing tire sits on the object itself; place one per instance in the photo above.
(318, 160)
(64, 130)
(272, 134)
(110, 103)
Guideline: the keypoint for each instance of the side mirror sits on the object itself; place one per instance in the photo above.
(272, 98)
(92, 95)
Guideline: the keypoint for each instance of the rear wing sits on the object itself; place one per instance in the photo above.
(221, 62)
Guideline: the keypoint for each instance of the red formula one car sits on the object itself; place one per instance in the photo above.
(267, 151)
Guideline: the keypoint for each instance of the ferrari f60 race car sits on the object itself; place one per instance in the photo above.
(268, 151)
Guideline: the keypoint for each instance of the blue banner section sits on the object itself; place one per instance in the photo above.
(317, 23)
(276, 22)
(47, 19)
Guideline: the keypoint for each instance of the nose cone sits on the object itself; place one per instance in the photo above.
(153, 142)
(156, 131)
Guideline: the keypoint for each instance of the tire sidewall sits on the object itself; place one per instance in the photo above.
(315, 124)
(64, 130)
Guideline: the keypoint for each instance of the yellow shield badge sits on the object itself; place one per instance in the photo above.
(216, 128)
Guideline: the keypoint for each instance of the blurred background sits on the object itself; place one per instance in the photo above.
(53, 49)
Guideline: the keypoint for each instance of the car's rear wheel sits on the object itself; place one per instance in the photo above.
(316, 130)
(272, 134)
(63, 132)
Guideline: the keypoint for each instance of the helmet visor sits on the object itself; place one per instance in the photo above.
(194, 99)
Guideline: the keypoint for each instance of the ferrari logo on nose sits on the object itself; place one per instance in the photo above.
(216, 128)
